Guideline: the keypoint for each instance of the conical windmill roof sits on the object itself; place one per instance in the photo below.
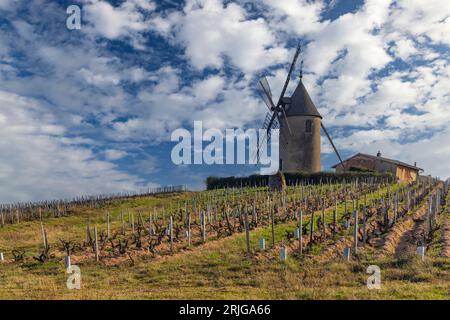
(301, 103)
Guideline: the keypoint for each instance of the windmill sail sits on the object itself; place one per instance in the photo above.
(332, 144)
(266, 93)
(265, 86)
(273, 120)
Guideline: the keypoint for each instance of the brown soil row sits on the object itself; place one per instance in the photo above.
(335, 250)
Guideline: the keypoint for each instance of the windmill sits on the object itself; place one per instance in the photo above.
(299, 123)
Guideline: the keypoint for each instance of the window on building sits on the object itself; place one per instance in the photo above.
(308, 126)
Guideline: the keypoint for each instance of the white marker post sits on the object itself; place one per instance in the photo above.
(262, 244)
(283, 253)
(421, 252)
(67, 261)
(347, 253)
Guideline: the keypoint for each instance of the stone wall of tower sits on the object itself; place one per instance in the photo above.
(302, 150)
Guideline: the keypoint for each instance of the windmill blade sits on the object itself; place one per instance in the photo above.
(265, 93)
(267, 120)
(267, 101)
(332, 144)
(263, 143)
(286, 119)
(288, 78)
(261, 146)
(264, 85)
(272, 123)
(264, 89)
(272, 119)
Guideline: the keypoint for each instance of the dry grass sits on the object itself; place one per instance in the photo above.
(215, 270)
(219, 270)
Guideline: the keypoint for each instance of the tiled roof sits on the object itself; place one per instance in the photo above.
(399, 163)
(301, 103)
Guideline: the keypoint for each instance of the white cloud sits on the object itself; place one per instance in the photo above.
(6, 4)
(428, 18)
(404, 48)
(210, 31)
(112, 154)
(348, 49)
(39, 162)
(84, 81)
(99, 79)
(296, 16)
(168, 105)
(111, 22)
(208, 89)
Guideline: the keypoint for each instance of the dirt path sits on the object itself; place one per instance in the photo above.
(405, 235)
(410, 239)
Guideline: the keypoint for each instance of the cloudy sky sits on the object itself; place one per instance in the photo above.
(91, 111)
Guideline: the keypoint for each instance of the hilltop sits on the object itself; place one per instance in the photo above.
(216, 265)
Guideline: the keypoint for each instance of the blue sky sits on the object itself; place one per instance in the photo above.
(92, 110)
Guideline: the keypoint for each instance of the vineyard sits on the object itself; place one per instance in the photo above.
(308, 241)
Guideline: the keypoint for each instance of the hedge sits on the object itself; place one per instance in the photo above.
(293, 178)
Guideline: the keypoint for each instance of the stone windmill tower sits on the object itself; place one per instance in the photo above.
(301, 150)
(299, 123)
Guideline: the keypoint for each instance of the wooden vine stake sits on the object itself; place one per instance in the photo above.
(88, 232)
(44, 236)
(300, 233)
(108, 227)
(122, 220)
(355, 231)
(96, 243)
(171, 233)
(364, 224)
(189, 228)
(247, 232)
(3, 218)
(323, 219)
(203, 226)
(311, 228)
(273, 225)
(150, 233)
(335, 215)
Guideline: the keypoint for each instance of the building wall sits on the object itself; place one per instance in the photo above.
(401, 173)
(302, 151)
(406, 174)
